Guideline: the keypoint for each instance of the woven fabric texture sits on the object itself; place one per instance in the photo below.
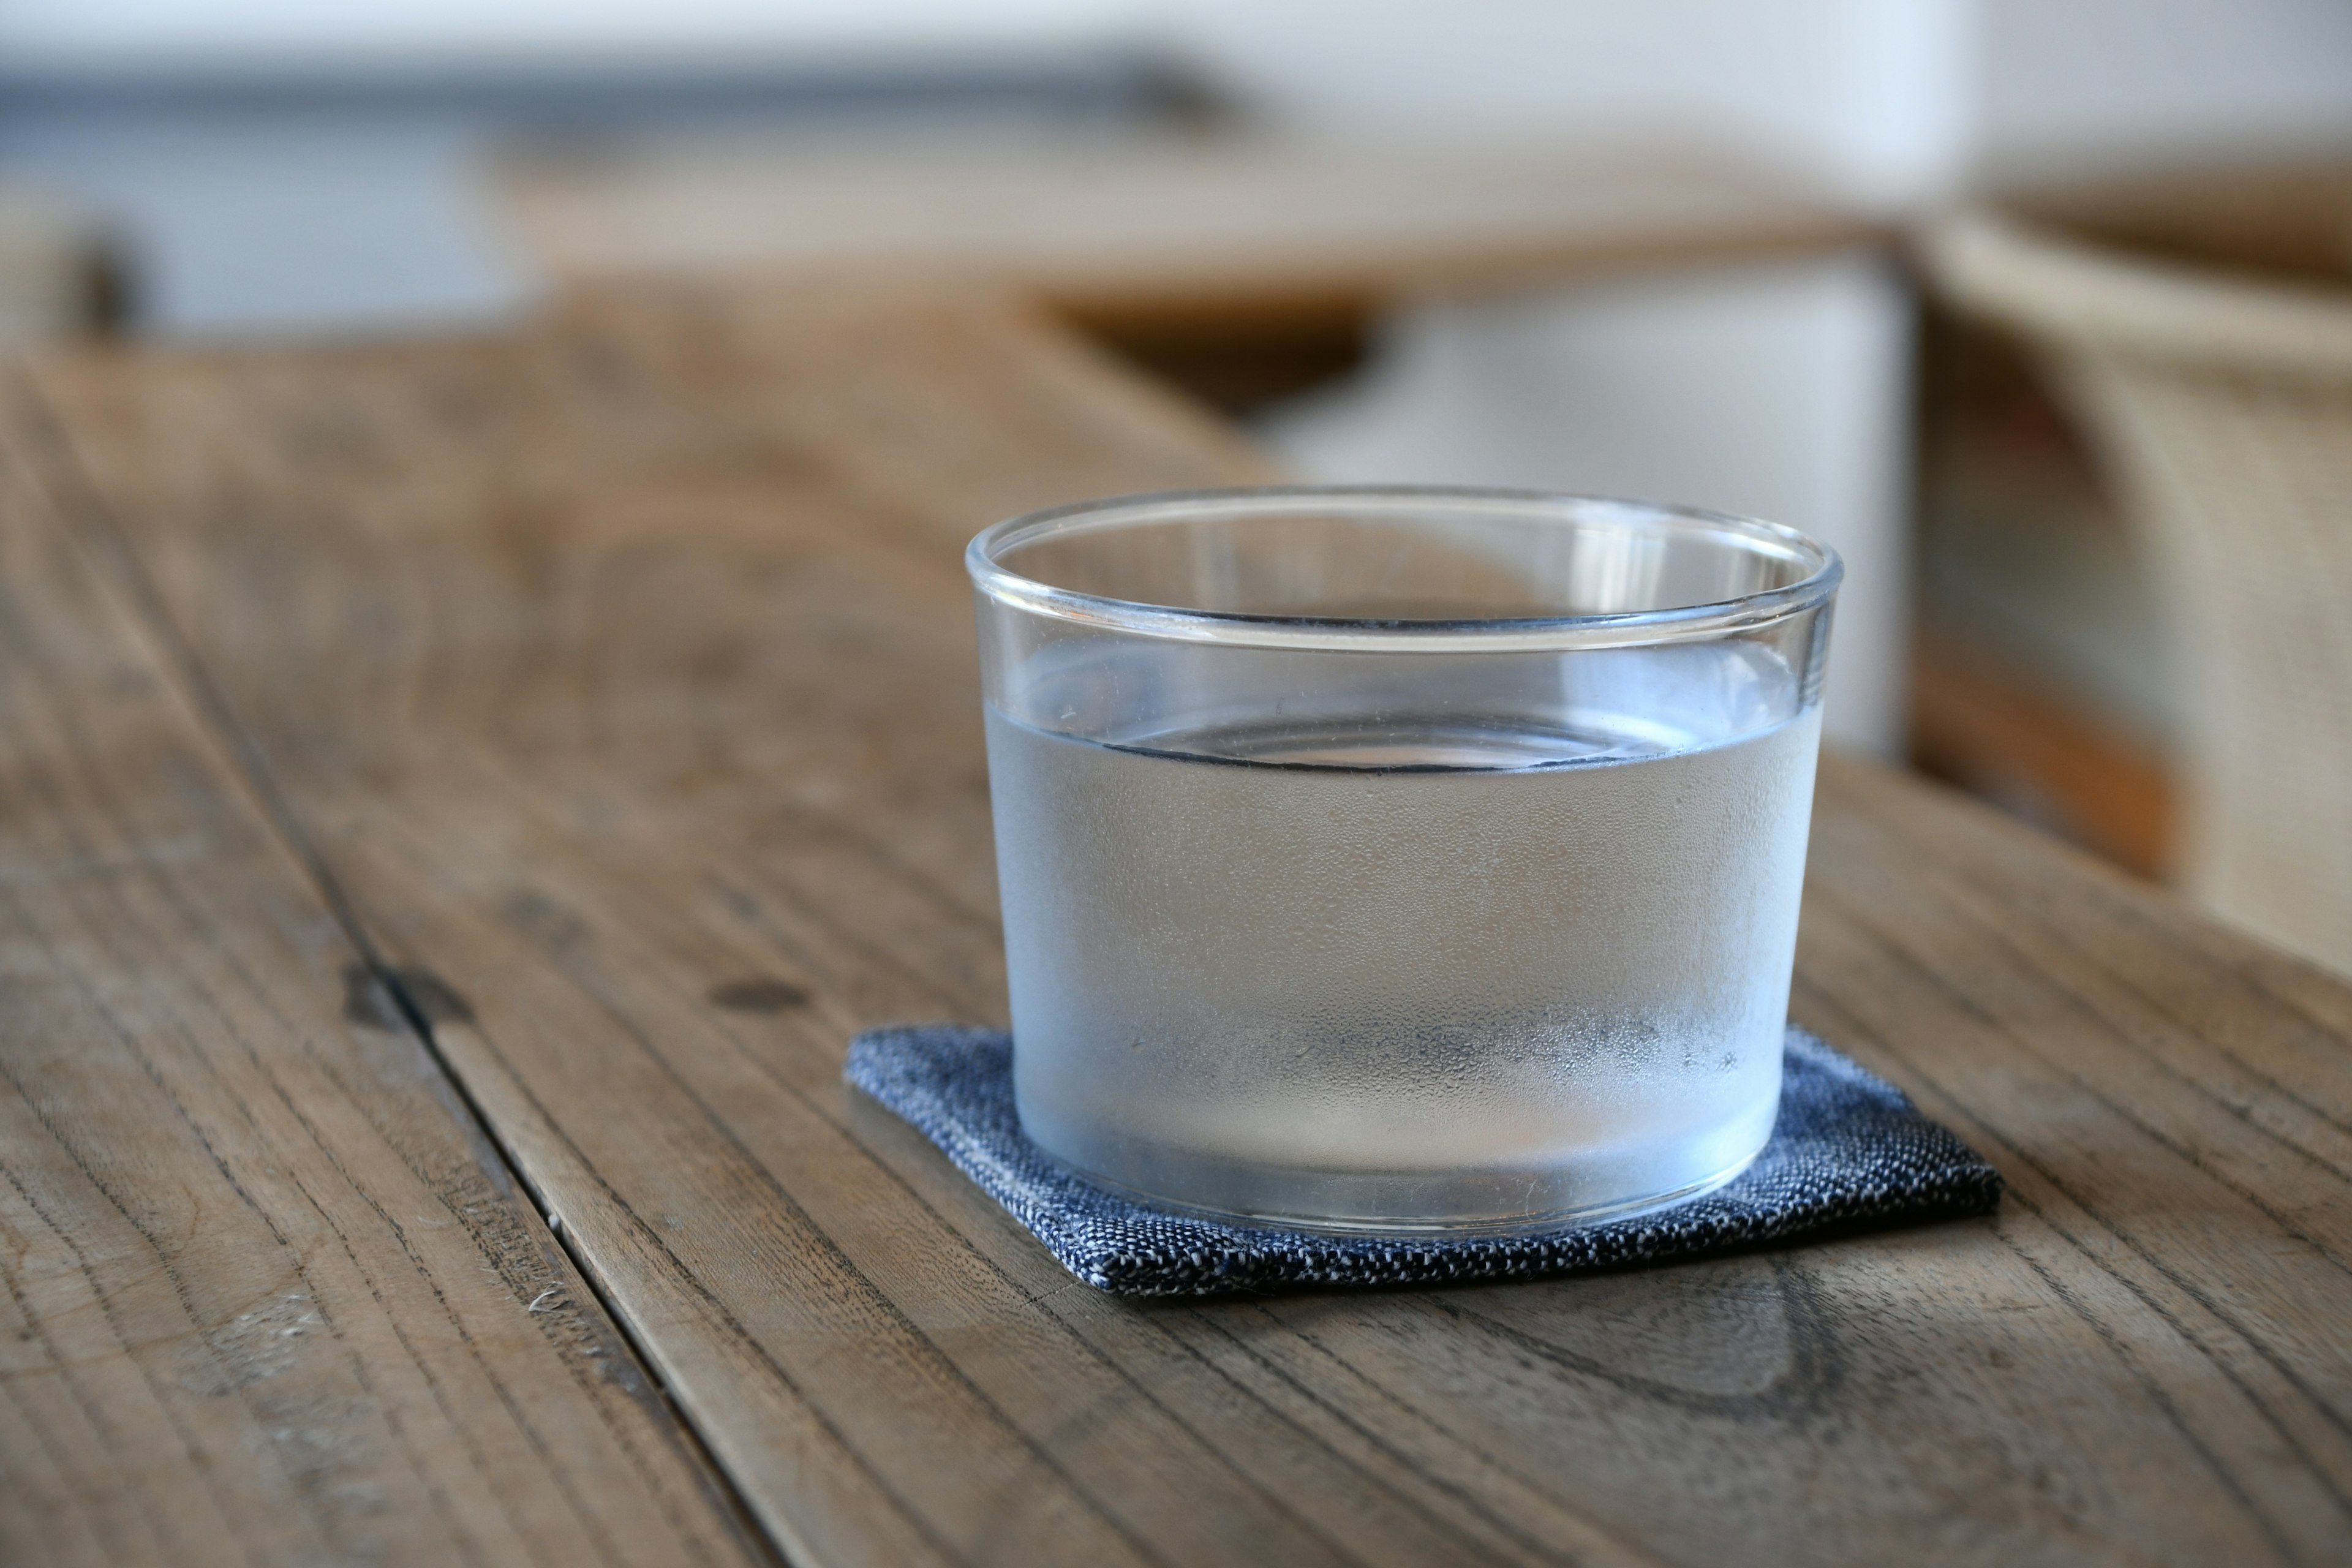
(1850, 1150)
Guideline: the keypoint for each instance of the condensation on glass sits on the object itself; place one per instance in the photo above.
(1399, 860)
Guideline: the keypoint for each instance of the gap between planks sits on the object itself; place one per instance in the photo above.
(114, 566)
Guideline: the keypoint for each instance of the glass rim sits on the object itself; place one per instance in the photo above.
(1625, 628)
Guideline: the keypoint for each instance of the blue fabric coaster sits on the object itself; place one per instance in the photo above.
(1850, 1150)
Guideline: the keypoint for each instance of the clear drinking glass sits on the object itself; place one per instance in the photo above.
(1399, 860)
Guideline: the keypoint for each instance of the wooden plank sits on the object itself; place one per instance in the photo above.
(269, 1295)
(2284, 215)
(621, 673)
(1140, 232)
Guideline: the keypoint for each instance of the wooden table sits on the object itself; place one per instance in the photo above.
(460, 799)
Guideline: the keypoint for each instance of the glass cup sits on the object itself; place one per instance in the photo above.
(1399, 860)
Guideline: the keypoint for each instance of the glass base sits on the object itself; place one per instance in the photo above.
(1591, 1186)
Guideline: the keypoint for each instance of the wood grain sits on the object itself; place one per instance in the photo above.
(269, 1295)
(619, 674)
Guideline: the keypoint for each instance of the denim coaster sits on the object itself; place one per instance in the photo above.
(1850, 1149)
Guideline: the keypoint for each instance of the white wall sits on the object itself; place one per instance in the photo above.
(2078, 82)
(1902, 97)
(245, 32)
(1897, 94)
(1860, 85)
(1874, 90)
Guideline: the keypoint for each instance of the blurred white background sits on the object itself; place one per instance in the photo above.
(277, 167)
(187, 121)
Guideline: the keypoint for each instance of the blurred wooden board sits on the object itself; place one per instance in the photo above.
(618, 675)
(1119, 227)
(2280, 218)
(1977, 723)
